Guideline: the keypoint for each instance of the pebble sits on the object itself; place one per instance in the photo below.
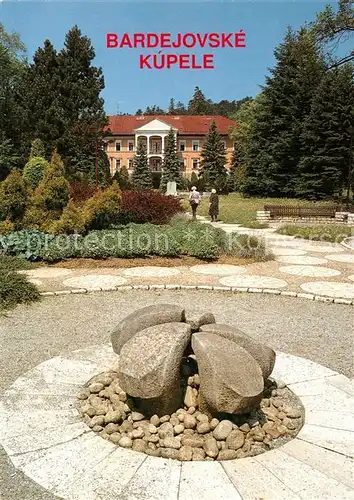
(137, 433)
(202, 418)
(96, 387)
(136, 416)
(214, 422)
(281, 384)
(235, 440)
(139, 445)
(84, 394)
(211, 447)
(194, 442)
(203, 427)
(189, 421)
(126, 442)
(155, 420)
(278, 403)
(198, 454)
(113, 416)
(110, 428)
(190, 399)
(97, 428)
(245, 428)
(174, 421)
(115, 437)
(97, 420)
(292, 412)
(227, 454)
(164, 419)
(185, 453)
(172, 442)
(169, 453)
(191, 410)
(178, 429)
(222, 430)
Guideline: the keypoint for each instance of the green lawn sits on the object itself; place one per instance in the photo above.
(328, 232)
(236, 209)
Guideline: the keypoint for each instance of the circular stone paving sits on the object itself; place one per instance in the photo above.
(218, 269)
(46, 272)
(150, 272)
(330, 289)
(313, 271)
(287, 251)
(93, 281)
(301, 259)
(253, 282)
(43, 435)
(321, 249)
(36, 282)
(341, 258)
(351, 277)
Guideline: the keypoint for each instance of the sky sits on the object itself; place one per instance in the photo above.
(238, 72)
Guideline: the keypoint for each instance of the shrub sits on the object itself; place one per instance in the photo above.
(28, 244)
(81, 191)
(148, 206)
(102, 210)
(331, 232)
(122, 177)
(13, 197)
(34, 171)
(15, 289)
(37, 149)
(72, 220)
(248, 247)
(6, 226)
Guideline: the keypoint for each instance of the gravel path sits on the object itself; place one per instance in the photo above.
(319, 331)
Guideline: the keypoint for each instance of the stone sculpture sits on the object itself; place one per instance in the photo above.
(152, 343)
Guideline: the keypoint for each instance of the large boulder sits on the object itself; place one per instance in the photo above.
(149, 367)
(144, 318)
(231, 380)
(264, 355)
(196, 319)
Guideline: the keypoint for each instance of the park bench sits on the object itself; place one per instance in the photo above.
(298, 211)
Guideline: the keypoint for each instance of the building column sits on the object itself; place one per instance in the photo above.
(147, 144)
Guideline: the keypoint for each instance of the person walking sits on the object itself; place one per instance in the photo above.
(194, 200)
(213, 205)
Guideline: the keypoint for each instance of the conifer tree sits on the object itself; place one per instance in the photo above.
(141, 178)
(79, 96)
(171, 165)
(199, 105)
(327, 143)
(232, 173)
(275, 146)
(37, 149)
(213, 154)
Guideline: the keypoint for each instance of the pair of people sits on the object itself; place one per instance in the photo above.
(194, 200)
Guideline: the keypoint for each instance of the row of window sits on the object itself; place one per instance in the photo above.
(182, 146)
(118, 164)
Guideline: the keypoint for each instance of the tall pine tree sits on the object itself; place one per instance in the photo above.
(79, 97)
(325, 168)
(141, 178)
(171, 165)
(199, 105)
(213, 162)
(275, 147)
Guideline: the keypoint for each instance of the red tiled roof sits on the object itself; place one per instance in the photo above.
(186, 124)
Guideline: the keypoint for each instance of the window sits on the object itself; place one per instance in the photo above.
(130, 146)
(117, 164)
(182, 145)
(195, 163)
(130, 163)
(105, 146)
(195, 145)
(118, 145)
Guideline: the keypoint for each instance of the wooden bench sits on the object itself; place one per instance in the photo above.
(298, 211)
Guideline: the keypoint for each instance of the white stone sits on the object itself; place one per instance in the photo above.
(253, 281)
(287, 251)
(24, 401)
(157, 478)
(253, 481)
(108, 478)
(102, 355)
(341, 258)
(150, 272)
(35, 282)
(321, 249)
(293, 369)
(46, 272)
(206, 481)
(333, 289)
(337, 440)
(343, 383)
(65, 371)
(334, 465)
(64, 464)
(351, 277)
(90, 281)
(301, 259)
(312, 271)
(218, 269)
(306, 481)
(47, 438)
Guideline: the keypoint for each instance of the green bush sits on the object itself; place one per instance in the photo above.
(13, 197)
(102, 210)
(34, 171)
(28, 244)
(6, 226)
(331, 232)
(15, 289)
(72, 220)
(248, 247)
